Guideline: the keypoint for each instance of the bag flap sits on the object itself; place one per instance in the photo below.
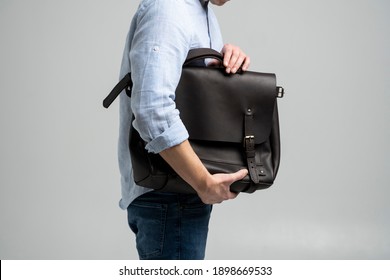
(213, 104)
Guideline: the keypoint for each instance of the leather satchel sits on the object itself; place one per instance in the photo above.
(232, 121)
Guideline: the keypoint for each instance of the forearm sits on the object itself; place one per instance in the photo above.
(187, 165)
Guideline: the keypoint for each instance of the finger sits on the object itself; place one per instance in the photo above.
(235, 177)
(235, 61)
(246, 64)
(227, 53)
(238, 63)
(239, 175)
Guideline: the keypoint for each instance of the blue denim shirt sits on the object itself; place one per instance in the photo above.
(160, 36)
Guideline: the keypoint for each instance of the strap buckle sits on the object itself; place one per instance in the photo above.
(249, 145)
(249, 142)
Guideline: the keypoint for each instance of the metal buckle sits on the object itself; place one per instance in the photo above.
(249, 141)
(280, 92)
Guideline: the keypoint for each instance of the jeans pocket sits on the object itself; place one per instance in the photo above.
(193, 204)
(147, 221)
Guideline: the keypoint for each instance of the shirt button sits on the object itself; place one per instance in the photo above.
(156, 48)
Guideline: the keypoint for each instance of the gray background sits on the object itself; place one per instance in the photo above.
(59, 183)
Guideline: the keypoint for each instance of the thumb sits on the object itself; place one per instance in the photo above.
(239, 175)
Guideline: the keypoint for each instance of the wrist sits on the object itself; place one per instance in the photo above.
(204, 182)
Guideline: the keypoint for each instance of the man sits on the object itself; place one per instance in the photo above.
(167, 225)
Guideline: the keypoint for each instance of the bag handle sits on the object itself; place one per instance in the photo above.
(202, 53)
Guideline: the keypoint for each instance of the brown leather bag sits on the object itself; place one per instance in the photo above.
(232, 121)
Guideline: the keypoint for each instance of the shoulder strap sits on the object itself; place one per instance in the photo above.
(126, 83)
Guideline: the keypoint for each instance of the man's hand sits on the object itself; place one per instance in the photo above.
(234, 58)
(217, 188)
(210, 188)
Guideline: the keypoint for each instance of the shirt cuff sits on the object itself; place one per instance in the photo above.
(172, 136)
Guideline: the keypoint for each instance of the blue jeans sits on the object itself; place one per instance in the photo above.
(169, 226)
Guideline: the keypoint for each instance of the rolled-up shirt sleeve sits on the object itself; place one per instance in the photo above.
(158, 50)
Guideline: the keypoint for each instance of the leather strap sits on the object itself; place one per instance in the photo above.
(125, 83)
(202, 53)
(254, 165)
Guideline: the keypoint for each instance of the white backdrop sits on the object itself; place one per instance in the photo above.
(59, 180)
